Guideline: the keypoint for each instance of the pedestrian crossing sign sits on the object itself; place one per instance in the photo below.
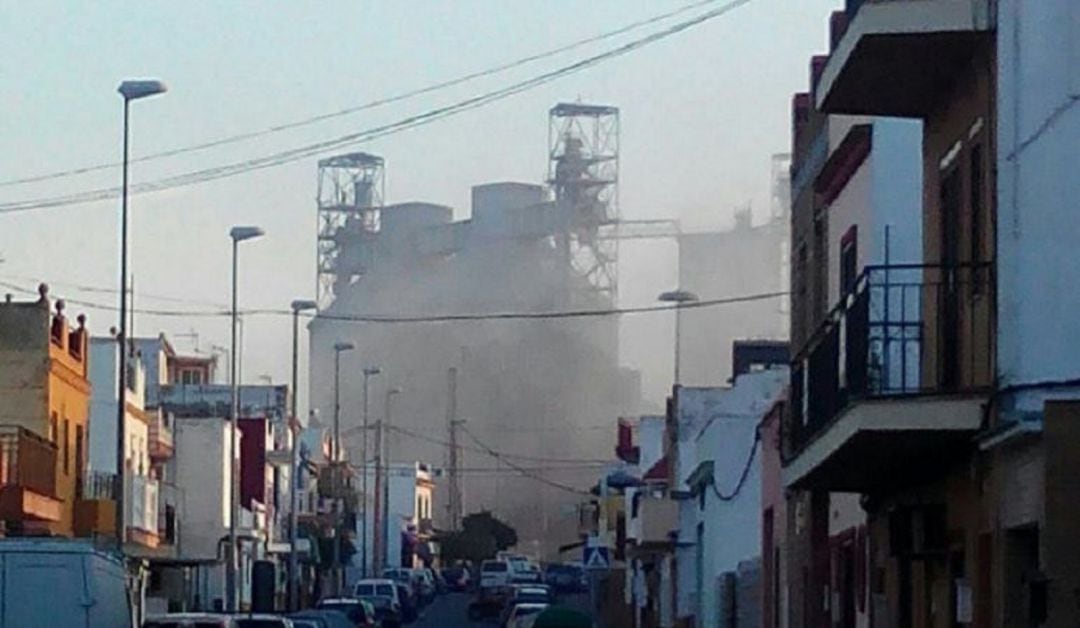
(596, 557)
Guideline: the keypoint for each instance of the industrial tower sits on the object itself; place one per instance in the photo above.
(350, 196)
(583, 172)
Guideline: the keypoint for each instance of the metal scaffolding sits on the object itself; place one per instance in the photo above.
(583, 172)
(350, 197)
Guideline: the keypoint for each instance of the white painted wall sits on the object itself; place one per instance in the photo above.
(1038, 187)
(718, 424)
(407, 483)
(201, 469)
(102, 423)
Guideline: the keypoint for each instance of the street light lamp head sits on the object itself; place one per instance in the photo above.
(372, 370)
(394, 391)
(300, 305)
(239, 234)
(677, 296)
(141, 88)
(343, 346)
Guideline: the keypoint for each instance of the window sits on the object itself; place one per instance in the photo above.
(849, 260)
(976, 250)
(53, 424)
(67, 447)
(190, 377)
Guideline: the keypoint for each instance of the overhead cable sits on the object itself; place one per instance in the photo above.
(309, 150)
(249, 135)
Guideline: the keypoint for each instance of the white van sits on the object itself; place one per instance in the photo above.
(494, 574)
(52, 582)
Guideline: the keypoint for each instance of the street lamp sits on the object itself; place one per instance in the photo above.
(335, 451)
(679, 298)
(386, 479)
(238, 235)
(130, 90)
(298, 306)
(369, 372)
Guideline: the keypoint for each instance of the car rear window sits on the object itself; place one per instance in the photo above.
(494, 567)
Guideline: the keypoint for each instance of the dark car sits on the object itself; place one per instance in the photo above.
(322, 618)
(359, 613)
(457, 578)
(387, 610)
(410, 606)
(488, 602)
(565, 578)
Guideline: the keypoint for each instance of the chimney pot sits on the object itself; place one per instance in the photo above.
(43, 291)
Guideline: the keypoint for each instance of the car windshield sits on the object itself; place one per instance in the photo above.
(494, 567)
(368, 589)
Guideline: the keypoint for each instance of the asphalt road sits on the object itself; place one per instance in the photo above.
(450, 611)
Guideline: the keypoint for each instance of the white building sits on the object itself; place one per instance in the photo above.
(719, 481)
(201, 468)
(140, 487)
(410, 488)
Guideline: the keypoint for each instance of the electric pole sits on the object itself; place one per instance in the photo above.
(377, 541)
(454, 505)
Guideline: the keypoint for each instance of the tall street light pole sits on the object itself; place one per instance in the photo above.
(679, 298)
(386, 481)
(335, 451)
(335, 461)
(130, 90)
(368, 374)
(238, 235)
(298, 306)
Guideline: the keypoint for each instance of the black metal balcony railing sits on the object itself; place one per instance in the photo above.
(27, 460)
(903, 330)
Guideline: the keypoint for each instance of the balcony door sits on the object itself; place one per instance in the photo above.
(947, 290)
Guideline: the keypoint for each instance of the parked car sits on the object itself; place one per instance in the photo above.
(372, 587)
(189, 620)
(530, 593)
(48, 582)
(387, 610)
(524, 571)
(409, 578)
(361, 614)
(494, 574)
(457, 578)
(516, 614)
(564, 578)
(425, 585)
(261, 620)
(410, 605)
(436, 577)
(324, 618)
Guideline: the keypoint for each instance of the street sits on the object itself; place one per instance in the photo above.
(449, 611)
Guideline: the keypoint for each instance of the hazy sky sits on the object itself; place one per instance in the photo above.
(701, 114)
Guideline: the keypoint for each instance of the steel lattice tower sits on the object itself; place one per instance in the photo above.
(583, 172)
(350, 196)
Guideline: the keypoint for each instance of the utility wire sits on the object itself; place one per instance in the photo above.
(524, 471)
(302, 152)
(491, 452)
(432, 318)
(241, 137)
(745, 475)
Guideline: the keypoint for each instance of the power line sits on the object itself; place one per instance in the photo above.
(524, 471)
(742, 476)
(241, 137)
(429, 318)
(302, 152)
(492, 452)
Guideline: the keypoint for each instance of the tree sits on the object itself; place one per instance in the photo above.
(481, 536)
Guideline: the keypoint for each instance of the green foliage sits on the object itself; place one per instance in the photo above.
(481, 536)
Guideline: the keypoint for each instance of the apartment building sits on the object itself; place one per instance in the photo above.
(943, 394)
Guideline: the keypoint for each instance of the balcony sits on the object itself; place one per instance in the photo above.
(898, 56)
(653, 520)
(27, 477)
(160, 438)
(893, 383)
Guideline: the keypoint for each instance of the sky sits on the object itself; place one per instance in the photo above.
(701, 113)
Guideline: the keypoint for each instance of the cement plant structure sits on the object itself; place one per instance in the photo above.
(539, 391)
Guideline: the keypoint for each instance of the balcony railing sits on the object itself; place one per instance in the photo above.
(160, 437)
(27, 460)
(903, 330)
